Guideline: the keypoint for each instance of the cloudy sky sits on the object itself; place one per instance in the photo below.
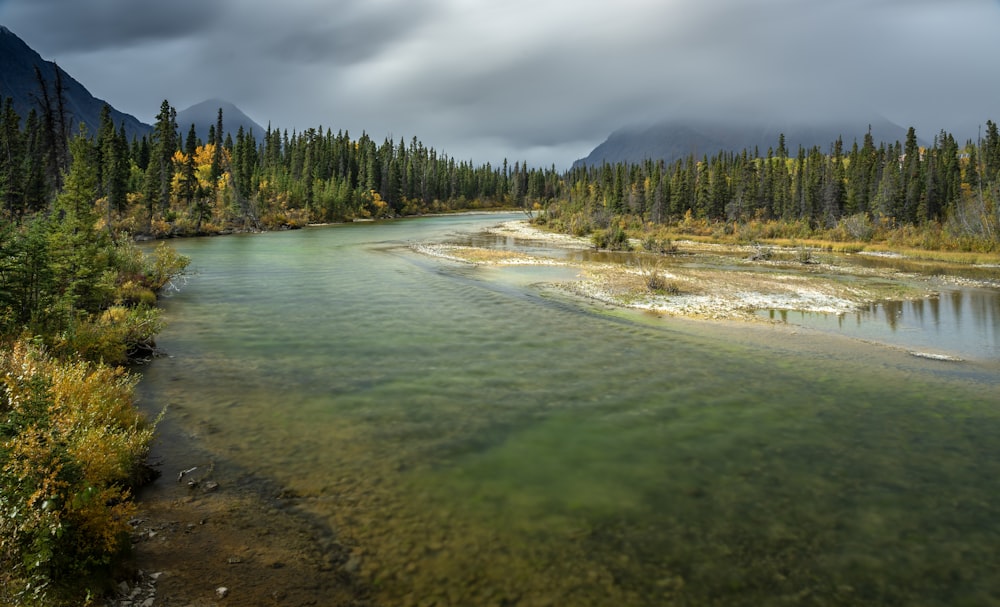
(538, 80)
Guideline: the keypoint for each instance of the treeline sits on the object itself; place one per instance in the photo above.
(946, 191)
(170, 183)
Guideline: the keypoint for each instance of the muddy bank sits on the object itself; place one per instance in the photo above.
(210, 532)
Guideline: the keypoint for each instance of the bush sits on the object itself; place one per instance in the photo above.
(855, 227)
(659, 247)
(70, 441)
(612, 239)
(167, 264)
(114, 337)
(761, 252)
(579, 225)
(805, 255)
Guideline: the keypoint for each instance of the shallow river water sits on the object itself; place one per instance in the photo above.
(483, 440)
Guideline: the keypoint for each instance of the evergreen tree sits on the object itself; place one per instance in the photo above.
(35, 189)
(888, 200)
(217, 153)
(11, 162)
(165, 143)
(75, 247)
(913, 180)
(188, 191)
(54, 132)
(833, 187)
(991, 153)
(112, 165)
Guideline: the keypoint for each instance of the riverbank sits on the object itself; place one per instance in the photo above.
(701, 280)
(209, 532)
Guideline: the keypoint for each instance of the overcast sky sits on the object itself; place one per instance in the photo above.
(538, 80)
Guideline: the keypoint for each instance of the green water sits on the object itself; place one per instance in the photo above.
(480, 439)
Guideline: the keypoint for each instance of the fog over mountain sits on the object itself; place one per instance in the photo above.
(675, 139)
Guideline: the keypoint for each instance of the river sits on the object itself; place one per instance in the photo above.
(484, 440)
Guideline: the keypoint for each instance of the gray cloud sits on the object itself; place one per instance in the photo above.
(536, 80)
(61, 26)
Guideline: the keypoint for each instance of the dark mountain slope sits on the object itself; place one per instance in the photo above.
(19, 82)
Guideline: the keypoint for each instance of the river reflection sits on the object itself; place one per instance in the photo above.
(962, 322)
(479, 440)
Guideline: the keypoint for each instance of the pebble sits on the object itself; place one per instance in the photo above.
(222, 592)
(142, 594)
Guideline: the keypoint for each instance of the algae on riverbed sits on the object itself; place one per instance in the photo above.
(473, 439)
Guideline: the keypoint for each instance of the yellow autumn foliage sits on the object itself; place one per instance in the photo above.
(70, 441)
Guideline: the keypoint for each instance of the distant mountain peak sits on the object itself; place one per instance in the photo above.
(204, 115)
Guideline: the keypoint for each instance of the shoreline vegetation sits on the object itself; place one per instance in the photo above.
(78, 298)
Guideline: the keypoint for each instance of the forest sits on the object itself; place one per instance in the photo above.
(78, 297)
(941, 197)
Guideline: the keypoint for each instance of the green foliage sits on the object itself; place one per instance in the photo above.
(167, 264)
(79, 292)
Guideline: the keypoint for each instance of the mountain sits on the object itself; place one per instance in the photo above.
(18, 81)
(203, 115)
(675, 139)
